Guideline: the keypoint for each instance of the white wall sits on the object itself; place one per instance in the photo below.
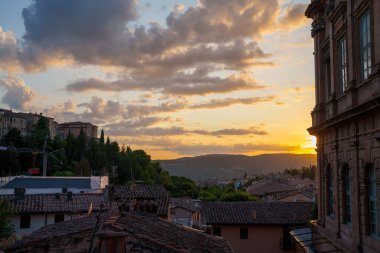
(38, 221)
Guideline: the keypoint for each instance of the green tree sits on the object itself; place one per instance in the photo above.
(101, 140)
(238, 195)
(6, 228)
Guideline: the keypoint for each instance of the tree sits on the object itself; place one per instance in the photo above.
(238, 195)
(6, 228)
(101, 140)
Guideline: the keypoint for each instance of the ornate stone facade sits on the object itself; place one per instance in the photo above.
(346, 122)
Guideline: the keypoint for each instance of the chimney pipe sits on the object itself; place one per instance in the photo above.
(70, 196)
(19, 193)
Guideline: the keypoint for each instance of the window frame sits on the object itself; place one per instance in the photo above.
(244, 233)
(373, 203)
(342, 65)
(347, 194)
(59, 218)
(365, 50)
(217, 231)
(330, 191)
(25, 221)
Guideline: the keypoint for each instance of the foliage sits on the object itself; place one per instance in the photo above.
(63, 173)
(304, 172)
(6, 228)
(238, 195)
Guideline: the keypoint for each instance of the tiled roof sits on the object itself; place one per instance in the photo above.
(268, 186)
(57, 182)
(141, 231)
(49, 203)
(265, 212)
(156, 192)
(188, 204)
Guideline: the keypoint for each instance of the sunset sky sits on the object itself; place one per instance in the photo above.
(173, 77)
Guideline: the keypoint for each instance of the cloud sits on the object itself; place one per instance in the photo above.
(143, 127)
(8, 51)
(294, 16)
(222, 35)
(224, 102)
(17, 94)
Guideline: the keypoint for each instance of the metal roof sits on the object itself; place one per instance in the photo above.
(55, 182)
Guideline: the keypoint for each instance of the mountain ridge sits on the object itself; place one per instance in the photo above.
(227, 166)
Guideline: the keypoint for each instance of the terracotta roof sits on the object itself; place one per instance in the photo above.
(188, 204)
(49, 203)
(140, 231)
(269, 186)
(155, 192)
(265, 212)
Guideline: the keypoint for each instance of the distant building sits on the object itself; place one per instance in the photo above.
(9, 120)
(41, 185)
(24, 122)
(346, 123)
(183, 211)
(272, 189)
(74, 128)
(256, 226)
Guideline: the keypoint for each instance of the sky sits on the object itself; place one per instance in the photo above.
(173, 77)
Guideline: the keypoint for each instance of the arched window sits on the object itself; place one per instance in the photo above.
(372, 200)
(330, 190)
(346, 192)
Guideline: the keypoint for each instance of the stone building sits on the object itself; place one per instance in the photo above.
(9, 120)
(346, 122)
(74, 128)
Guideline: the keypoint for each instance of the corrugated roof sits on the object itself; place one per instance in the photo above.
(55, 182)
(265, 212)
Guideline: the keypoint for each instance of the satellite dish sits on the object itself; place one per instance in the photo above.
(89, 209)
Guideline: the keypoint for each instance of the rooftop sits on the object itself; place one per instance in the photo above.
(154, 192)
(49, 182)
(56, 203)
(276, 213)
(270, 186)
(139, 230)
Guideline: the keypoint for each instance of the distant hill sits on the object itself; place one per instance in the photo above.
(232, 166)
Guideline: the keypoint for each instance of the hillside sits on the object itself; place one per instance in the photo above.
(232, 166)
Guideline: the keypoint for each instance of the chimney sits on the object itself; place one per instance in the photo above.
(254, 214)
(64, 190)
(70, 196)
(19, 193)
(57, 196)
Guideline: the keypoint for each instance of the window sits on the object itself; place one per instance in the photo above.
(373, 202)
(217, 231)
(342, 45)
(365, 45)
(25, 221)
(243, 233)
(346, 174)
(59, 218)
(330, 190)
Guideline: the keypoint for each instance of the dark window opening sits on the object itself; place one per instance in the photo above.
(25, 221)
(243, 233)
(217, 231)
(59, 218)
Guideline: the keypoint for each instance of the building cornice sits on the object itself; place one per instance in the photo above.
(355, 111)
